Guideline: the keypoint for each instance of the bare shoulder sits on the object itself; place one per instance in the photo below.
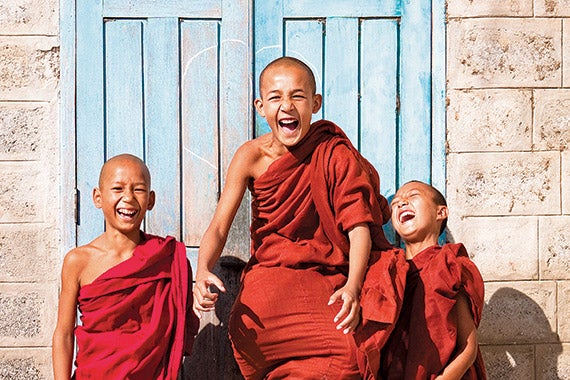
(249, 157)
(80, 263)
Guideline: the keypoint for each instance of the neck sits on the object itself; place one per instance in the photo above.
(413, 248)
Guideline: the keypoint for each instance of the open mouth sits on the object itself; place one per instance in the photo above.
(289, 125)
(125, 213)
(406, 216)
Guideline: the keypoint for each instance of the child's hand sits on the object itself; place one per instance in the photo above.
(350, 309)
(204, 298)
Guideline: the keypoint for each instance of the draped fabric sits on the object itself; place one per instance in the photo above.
(302, 209)
(136, 321)
(424, 339)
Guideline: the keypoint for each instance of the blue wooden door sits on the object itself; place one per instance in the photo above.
(168, 82)
(378, 67)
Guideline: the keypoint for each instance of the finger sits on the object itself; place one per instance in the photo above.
(344, 310)
(214, 280)
(335, 297)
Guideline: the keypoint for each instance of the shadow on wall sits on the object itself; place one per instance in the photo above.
(212, 355)
(516, 338)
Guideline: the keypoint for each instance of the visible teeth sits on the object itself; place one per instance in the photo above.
(406, 215)
(127, 212)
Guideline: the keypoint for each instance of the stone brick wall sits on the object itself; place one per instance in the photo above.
(508, 179)
(29, 189)
(508, 175)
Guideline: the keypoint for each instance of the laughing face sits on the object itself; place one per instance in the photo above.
(287, 102)
(124, 194)
(415, 215)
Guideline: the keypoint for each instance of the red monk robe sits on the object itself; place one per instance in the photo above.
(424, 339)
(136, 321)
(302, 209)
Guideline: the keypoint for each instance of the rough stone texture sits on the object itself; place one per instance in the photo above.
(29, 68)
(552, 119)
(23, 130)
(489, 120)
(489, 184)
(500, 255)
(509, 362)
(556, 8)
(25, 364)
(29, 17)
(504, 52)
(22, 193)
(470, 8)
(27, 314)
(27, 253)
(564, 310)
(554, 248)
(566, 182)
(553, 361)
(519, 313)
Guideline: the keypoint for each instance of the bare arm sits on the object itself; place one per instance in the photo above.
(359, 253)
(214, 239)
(466, 346)
(63, 337)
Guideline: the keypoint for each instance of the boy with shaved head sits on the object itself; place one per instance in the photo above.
(436, 334)
(131, 288)
(320, 292)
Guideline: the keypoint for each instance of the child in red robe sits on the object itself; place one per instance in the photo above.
(436, 333)
(132, 290)
(320, 293)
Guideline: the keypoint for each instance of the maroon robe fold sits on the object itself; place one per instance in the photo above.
(424, 339)
(302, 209)
(136, 317)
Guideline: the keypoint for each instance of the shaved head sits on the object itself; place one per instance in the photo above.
(122, 159)
(289, 62)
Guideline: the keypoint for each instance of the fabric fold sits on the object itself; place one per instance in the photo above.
(135, 317)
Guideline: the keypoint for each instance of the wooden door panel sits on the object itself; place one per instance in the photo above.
(200, 125)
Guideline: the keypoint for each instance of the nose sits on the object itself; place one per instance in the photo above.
(127, 194)
(402, 203)
(286, 104)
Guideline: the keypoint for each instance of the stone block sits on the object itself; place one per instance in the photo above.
(22, 193)
(29, 17)
(27, 253)
(552, 119)
(509, 362)
(495, 246)
(470, 8)
(489, 120)
(553, 361)
(566, 182)
(27, 314)
(552, 8)
(519, 313)
(29, 68)
(486, 184)
(23, 132)
(504, 52)
(564, 310)
(25, 364)
(554, 247)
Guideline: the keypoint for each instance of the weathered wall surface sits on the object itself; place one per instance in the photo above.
(508, 176)
(508, 123)
(29, 164)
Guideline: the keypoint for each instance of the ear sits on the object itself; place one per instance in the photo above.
(442, 212)
(317, 102)
(259, 107)
(151, 200)
(97, 197)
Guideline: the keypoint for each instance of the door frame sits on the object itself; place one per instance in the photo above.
(67, 114)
